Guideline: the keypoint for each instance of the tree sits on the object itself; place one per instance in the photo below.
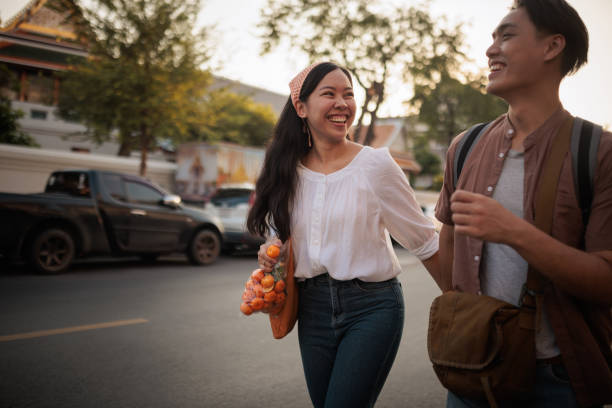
(236, 118)
(452, 106)
(429, 162)
(373, 40)
(9, 128)
(142, 80)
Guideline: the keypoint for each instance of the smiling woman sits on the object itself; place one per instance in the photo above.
(330, 110)
(338, 201)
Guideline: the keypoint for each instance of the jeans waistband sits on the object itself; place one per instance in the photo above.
(325, 279)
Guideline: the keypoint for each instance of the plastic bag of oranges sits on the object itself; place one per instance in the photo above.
(265, 291)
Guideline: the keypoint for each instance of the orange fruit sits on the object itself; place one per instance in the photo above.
(257, 275)
(246, 309)
(249, 284)
(280, 286)
(270, 297)
(273, 251)
(247, 295)
(267, 282)
(259, 291)
(257, 303)
(280, 298)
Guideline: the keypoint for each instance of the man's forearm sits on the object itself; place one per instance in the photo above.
(581, 274)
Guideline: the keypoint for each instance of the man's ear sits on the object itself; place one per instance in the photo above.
(554, 47)
(300, 108)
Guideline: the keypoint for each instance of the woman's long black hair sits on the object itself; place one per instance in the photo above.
(276, 184)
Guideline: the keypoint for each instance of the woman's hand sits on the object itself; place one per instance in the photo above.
(266, 262)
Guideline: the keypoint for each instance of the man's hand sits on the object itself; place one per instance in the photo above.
(587, 276)
(481, 217)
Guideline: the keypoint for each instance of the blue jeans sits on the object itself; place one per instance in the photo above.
(552, 390)
(349, 333)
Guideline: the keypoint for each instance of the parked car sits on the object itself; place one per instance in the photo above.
(231, 203)
(89, 212)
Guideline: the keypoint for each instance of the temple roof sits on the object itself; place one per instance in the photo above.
(13, 21)
(41, 36)
(43, 18)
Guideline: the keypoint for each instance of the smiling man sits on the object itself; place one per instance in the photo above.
(489, 236)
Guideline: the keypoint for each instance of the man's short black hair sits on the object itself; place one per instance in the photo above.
(558, 17)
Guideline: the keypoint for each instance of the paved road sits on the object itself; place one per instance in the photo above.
(175, 338)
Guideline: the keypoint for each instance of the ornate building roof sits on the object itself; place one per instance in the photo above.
(39, 36)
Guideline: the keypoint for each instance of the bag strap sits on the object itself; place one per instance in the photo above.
(464, 148)
(549, 178)
(289, 262)
(584, 146)
(546, 196)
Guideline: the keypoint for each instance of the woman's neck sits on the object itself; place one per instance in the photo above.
(327, 158)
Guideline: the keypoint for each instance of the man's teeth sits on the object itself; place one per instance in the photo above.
(496, 67)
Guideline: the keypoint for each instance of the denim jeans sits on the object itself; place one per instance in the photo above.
(552, 390)
(349, 333)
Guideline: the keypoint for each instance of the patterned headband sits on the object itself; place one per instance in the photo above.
(296, 83)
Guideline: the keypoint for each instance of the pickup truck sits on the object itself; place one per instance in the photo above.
(90, 213)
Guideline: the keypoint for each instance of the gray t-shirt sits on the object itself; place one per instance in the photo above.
(503, 271)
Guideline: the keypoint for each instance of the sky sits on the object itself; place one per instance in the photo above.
(237, 48)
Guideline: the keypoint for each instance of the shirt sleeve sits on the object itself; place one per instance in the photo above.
(401, 213)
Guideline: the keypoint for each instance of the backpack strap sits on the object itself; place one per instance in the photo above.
(465, 146)
(584, 145)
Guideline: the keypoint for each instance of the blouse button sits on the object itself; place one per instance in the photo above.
(510, 131)
(476, 258)
(490, 188)
(501, 155)
(479, 292)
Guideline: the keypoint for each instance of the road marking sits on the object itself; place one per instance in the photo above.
(53, 332)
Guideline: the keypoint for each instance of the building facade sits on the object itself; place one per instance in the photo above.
(39, 42)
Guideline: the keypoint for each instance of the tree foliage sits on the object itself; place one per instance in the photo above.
(142, 81)
(236, 118)
(451, 106)
(9, 129)
(10, 133)
(429, 162)
(373, 40)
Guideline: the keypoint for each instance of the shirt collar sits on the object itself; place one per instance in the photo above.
(550, 126)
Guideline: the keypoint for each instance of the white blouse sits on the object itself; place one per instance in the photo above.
(339, 221)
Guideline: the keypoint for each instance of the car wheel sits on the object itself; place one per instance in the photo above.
(204, 248)
(52, 251)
